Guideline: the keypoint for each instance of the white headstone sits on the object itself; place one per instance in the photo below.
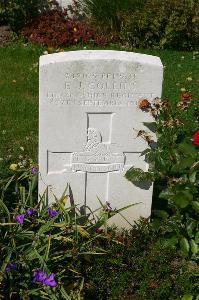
(65, 3)
(88, 120)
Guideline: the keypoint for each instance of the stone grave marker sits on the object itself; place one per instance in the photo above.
(89, 120)
(65, 3)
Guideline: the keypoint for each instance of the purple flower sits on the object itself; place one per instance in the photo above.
(10, 266)
(50, 281)
(20, 218)
(34, 170)
(39, 276)
(29, 211)
(52, 213)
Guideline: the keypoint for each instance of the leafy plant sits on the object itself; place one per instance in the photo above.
(42, 247)
(163, 24)
(17, 13)
(175, 162)
(56, 28)
(140, 266)
(54, 252)
(106, 14)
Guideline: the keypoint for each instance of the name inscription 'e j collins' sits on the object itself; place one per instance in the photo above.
(98, 89)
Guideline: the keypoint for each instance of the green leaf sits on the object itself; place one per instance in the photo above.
(195, 205)
(187, 297)
(191, 226)
(197, 237)
(81, 285)
(192, 177)
(161, 214)
(170, 242)
(184, 163)
(195, 166)
(8, 183)
(146, 151)
(126, 207)
(180, 201)
(5, 209)
(194, 247)
(166, 194)
(41, 260)
(187, 162)
(34, 182)
(184, 245)
(6, 261)
(182, 198)
(46, 227)
(137, 174)
(151, 126)
(188, 149)
(176, 155)
(46, 255)
(161, 162)
(64, 294)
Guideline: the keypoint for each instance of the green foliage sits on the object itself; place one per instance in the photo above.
(140, 266)
(175, 161)
(163, 24)
(106, 13)
(17, 13)
(37, 238)
(19, 93)
(58, 29)
(87, 261)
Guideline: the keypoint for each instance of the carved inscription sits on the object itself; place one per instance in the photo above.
(98, 89)
(98, 168)
(96, 156)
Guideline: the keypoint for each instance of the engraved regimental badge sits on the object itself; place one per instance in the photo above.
(97, 156)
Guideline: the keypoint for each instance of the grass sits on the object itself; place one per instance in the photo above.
(19, 93)
(19, 100)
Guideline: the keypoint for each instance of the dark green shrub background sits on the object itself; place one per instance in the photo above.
(17, 13)
(148, 23)
(106, 13)
(164, 24)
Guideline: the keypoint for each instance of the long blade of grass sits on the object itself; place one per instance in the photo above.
(6, 210)
(46, 255)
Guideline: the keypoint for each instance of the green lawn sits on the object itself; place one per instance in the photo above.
(19, 93)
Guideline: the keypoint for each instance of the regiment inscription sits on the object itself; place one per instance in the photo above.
(88, 116)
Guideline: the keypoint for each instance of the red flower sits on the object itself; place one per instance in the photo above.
(144, 104)
(195, 138)
(185, 97)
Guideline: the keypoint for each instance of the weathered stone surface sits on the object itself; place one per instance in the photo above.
(65, 3)
(89, 120)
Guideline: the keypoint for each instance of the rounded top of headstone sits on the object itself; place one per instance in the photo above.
(99, 55)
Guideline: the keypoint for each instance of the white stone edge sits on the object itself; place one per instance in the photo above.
(99, 55)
